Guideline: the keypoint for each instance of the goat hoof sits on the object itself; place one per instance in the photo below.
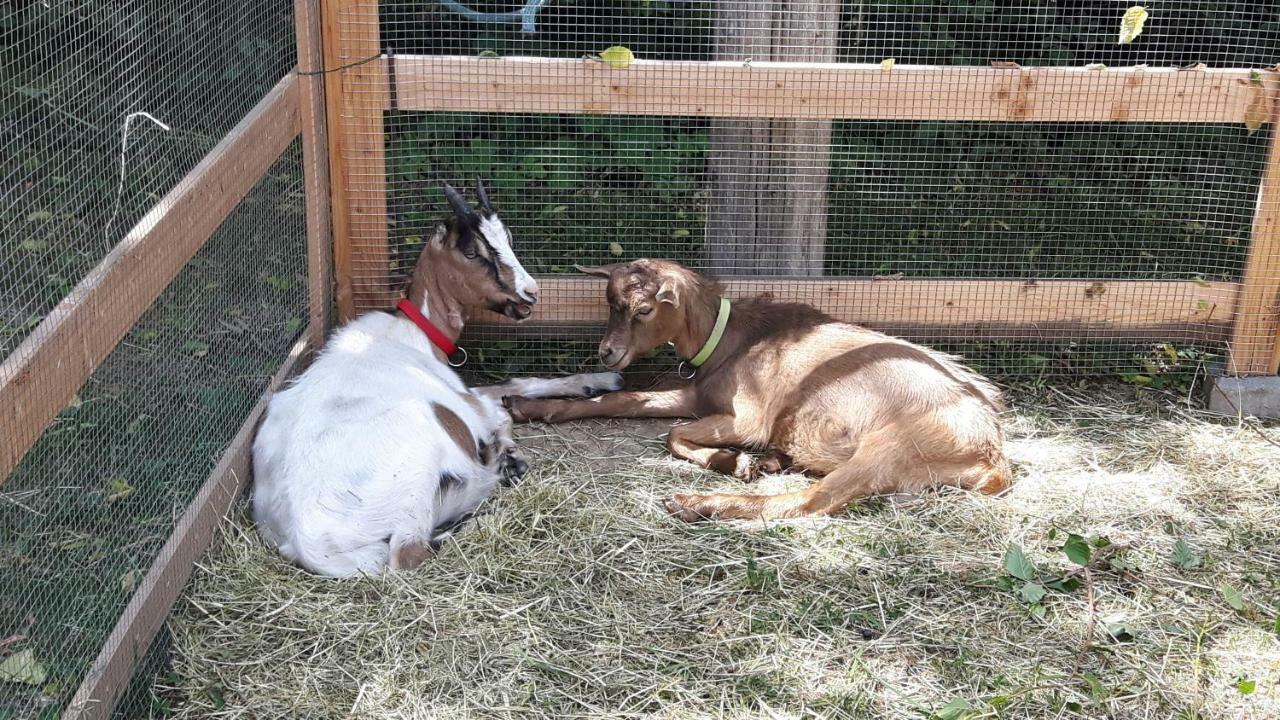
(678, 507)
(514, 468)
(514, 405)
(744, 468)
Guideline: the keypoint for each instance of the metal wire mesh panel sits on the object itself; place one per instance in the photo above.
(1007, 179)
(107, 108)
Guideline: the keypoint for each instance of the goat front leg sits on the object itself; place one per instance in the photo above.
(712, 443)
(582, 385)
(869, 472)
(675, 403)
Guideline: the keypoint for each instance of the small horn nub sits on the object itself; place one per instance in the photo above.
(483, 195)
(459, 203)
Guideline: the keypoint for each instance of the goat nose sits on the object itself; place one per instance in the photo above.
(532, 292)
(606, 354)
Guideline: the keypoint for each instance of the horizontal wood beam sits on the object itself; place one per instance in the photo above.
(150, 604)
(816, 91)
(41, 376)
(1173, 311)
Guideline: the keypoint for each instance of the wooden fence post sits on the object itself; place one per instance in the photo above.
(1255, 341)
(354, 98)
(768, 207)
(315, 167)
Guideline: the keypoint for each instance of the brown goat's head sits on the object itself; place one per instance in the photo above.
(645, 300)
(472, 260)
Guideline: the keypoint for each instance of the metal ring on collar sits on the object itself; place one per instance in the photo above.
(693, 371)
(460, 362)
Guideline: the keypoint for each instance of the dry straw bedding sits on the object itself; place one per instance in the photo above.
(574, 596)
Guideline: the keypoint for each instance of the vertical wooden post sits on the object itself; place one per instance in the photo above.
(354, 98)
(1255, 341)
(768, 212)
(315, 167)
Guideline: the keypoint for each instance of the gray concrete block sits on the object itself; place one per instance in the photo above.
(1257, 396)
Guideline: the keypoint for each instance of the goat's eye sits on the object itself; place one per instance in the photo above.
(644, 312)
(469, 253)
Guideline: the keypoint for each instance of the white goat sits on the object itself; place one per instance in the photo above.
(375, 454)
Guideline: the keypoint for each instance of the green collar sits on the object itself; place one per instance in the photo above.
(717, 332)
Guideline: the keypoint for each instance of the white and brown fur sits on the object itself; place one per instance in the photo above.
(868, 413)
(374, 455)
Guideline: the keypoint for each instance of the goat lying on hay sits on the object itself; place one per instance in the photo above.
(376, 453)
(870, 413)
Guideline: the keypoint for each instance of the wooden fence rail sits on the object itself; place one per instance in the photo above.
(812, 91)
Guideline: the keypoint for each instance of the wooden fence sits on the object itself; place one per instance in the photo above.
(1246, 313)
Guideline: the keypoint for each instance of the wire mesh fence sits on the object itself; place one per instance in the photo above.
(1117, 171)
(107, 106)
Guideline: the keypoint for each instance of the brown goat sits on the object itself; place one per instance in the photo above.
(870, 413)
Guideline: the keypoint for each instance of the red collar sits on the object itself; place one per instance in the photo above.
(456, 355)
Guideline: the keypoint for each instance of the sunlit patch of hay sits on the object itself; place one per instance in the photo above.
(575, 596)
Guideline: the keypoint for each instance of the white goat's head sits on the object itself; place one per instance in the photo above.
(474, 261)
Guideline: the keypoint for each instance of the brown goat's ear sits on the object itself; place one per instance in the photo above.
(668, 293)
(603, 271)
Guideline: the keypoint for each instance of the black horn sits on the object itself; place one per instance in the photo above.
(459, 203)
(483, 195)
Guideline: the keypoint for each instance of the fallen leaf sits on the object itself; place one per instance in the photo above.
(196, 348)
(40, 216)
(1095, 66)
(1077, 550)
(1131, 24)
(1118, 629)
(617, 57)
(1005, 65)
(33, 245)
(1256, 112)
(1017, 564)
(120, 490)
(22, 667)
(886, 65)
(954, 710)
(1246, 686)
(1031, 593)
(1182, 555)
(1234, 597)
(615, 249)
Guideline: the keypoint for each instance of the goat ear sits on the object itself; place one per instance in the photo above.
(603, 271)
(483, 195)
(668, 293)
(459, 203)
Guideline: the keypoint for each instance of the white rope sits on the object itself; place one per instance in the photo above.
(124, 147)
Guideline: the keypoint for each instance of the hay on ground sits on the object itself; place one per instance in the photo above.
(575, 596)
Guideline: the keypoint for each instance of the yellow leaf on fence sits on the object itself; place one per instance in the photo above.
(1256, 113)
(615, 249)
(1131, 24)
(617, 57)
(886, 65)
